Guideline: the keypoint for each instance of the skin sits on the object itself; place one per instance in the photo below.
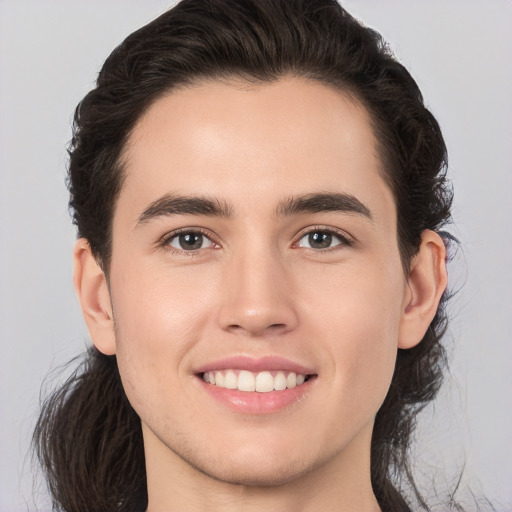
(255, 288)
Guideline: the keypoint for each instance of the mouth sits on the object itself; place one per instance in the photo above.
(263, 385)
(255, 382)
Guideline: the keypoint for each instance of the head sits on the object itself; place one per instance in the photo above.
(206, 64)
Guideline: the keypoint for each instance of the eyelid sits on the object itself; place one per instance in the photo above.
(347, 240)
(164, 240)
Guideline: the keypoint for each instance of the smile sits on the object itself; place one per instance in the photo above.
(261, 382)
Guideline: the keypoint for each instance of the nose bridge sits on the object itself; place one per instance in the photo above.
(257, 291)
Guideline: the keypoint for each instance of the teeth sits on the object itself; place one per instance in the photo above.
(246, 381)
(262, 382)
(219, 379)
(280, 381)
(231, 380)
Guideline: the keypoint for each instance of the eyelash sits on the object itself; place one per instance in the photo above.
(166, 240)
(344, 239)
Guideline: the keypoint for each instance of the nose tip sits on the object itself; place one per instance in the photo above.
(258, 322)
(258, 300)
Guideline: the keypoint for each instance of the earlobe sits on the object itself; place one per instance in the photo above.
(92, 289)
(426, 283)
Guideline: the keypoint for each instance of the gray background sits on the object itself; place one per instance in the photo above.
(460, 53)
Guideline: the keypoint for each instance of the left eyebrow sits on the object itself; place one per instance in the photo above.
(170, 204)
(323, 202)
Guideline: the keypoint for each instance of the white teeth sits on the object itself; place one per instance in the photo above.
(280, 382)
(219, 379)
(246, 381)
(230, 380)
(291, 380)
(262, 382)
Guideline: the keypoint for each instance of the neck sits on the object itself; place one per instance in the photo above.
(340, 484)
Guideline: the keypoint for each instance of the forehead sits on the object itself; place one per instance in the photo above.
(241, 142)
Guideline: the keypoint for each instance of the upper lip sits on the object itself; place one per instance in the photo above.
(255, 364)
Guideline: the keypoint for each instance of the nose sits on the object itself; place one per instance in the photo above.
(257, 296)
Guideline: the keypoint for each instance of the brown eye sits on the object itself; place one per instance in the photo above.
(322, 239)
(190, 241)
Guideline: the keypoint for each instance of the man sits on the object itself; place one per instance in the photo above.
(257, 188)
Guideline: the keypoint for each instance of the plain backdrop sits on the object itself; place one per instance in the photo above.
(460, 52)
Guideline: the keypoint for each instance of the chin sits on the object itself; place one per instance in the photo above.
(257, 470)
(251, 476)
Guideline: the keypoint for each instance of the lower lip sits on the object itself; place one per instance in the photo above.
(255, 402)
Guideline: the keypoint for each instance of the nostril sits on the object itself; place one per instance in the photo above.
(257, 329)
(253, 315)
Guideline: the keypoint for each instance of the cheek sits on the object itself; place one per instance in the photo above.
(357, 298)
(158, 309)
(358, 314)
(158, 320)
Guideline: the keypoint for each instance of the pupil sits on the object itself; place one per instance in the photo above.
(190, 241)
(320, 240)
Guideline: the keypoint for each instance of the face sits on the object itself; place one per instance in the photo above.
(255, 247)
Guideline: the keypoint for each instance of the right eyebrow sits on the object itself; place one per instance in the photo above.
(171, 204)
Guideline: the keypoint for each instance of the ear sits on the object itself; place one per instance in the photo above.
(92, 289)
(426, 283)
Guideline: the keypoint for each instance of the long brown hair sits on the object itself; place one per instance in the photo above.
(88, 438)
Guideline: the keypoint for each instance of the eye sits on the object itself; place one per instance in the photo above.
(322, 239)
(189, 241)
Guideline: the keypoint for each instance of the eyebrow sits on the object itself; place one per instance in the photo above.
(324, 202)
(171, 204)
